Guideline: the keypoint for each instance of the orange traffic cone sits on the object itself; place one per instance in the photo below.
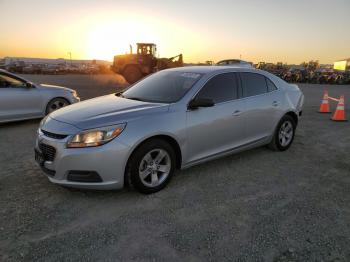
(339, 114)
(324, 108)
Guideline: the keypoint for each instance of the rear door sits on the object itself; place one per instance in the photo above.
(213, 130)
(17, 101)
(263, 104)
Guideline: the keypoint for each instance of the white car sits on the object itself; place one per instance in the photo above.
(235, 62)
(21, 99)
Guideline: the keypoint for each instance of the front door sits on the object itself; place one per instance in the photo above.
(216, 129)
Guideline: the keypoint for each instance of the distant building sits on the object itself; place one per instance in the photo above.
(28, 65)
(48, 61)
(342, 65)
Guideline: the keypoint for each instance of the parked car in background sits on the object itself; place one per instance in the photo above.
(21, 99)
(235, 62)
(174, 118)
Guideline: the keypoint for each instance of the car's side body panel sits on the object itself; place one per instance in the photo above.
(19, 103)
(215, 129)
(263, 113)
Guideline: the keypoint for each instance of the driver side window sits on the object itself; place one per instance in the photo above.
(10, 82)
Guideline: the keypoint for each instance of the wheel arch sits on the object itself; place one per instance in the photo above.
(293, 115)
(169, 139)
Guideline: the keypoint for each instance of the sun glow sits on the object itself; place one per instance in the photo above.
(111, 38)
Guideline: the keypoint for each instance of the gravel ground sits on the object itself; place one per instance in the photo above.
(254, 206)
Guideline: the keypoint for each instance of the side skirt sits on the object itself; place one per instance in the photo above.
(260, 142)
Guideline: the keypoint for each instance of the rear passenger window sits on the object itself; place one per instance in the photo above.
(220, 88)
(253, 84)
(270, 85)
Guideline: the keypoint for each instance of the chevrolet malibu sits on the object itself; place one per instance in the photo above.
(173, 119)
(21, 99)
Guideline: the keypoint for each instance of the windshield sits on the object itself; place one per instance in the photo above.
(163, 87)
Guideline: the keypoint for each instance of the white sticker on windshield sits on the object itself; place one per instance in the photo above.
(191, 75)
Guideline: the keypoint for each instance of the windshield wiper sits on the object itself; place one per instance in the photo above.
(134, 98)
(120, 94)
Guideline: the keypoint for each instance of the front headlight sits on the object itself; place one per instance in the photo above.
(74, 93)
(95, 137)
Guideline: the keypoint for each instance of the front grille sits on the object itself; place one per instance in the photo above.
(48, 152)
(52, 135)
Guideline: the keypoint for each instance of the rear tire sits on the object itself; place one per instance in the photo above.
(152, 166)
(284, 134)
(132, 74)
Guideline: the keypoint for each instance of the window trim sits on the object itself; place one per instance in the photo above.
(239, 90)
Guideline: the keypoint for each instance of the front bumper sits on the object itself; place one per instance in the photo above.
(74, 99)
(108, 161)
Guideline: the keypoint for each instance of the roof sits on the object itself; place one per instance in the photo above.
(210, 69)
(233, 60)
(346, 59)
(145, 44)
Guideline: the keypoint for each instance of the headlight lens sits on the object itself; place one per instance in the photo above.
(95, 137)
(74, 93)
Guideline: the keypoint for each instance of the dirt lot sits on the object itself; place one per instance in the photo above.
(255, 206)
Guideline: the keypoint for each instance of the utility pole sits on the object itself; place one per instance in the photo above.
(70, 57)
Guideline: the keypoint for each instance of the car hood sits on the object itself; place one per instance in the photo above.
(105, 111)
(50, 87)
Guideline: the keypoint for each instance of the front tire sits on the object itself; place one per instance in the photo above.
(151, 166)
(284, 134)
(56, 104)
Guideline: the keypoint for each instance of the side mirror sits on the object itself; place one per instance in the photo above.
(200, 102)
(29, 85)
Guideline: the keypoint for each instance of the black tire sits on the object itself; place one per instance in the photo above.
(276, 143)
(59, 102)
(132, 74)
(134, 165)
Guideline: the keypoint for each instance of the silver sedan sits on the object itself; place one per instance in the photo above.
(170, 120)
(21, 99)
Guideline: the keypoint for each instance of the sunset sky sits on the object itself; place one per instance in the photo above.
(259, 30)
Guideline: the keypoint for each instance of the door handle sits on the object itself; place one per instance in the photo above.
(236, 113)
(275, 103)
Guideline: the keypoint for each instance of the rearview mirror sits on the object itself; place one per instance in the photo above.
(200, 102)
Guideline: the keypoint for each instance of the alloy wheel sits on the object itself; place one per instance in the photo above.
(155, 167)
(285, 134)
(57, 104)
